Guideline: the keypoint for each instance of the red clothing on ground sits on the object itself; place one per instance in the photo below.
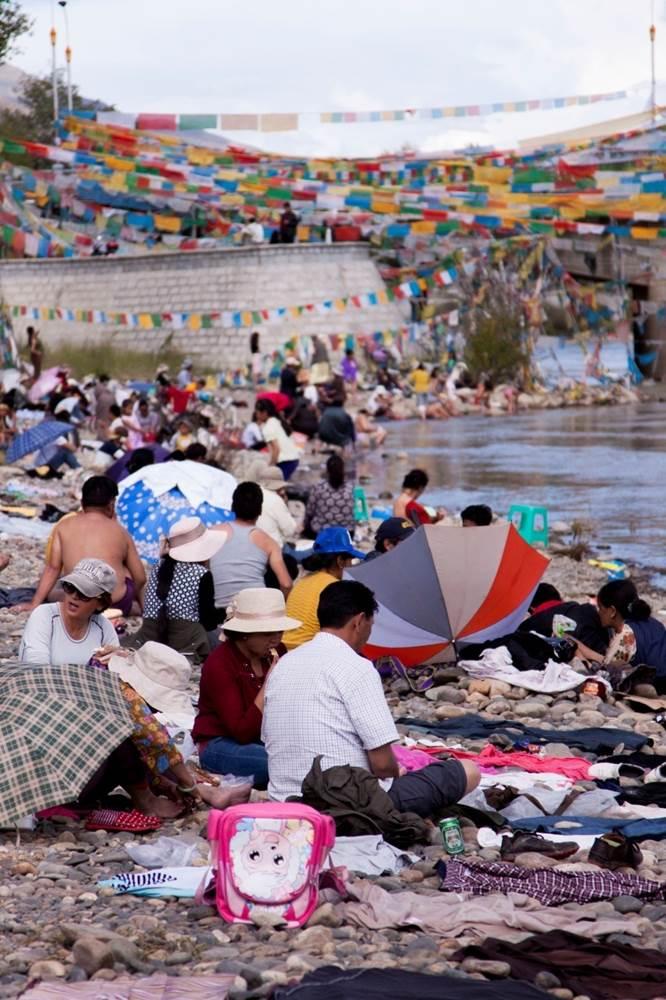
(227, 692)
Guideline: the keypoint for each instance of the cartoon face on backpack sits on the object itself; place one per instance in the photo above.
(269, 857)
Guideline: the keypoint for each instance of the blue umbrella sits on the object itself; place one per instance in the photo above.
(150, 501)
(35, 438)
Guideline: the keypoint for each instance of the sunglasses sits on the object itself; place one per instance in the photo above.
(73, 591)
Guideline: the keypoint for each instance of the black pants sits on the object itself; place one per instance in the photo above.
(428, 791)
(123, 767)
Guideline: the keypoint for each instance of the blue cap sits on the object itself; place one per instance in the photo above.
(336, 541)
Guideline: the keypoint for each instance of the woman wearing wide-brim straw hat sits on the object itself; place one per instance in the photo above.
(231, 696)
(179, 603)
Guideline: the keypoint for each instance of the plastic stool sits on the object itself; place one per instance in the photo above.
(360, 505)
(531, 523)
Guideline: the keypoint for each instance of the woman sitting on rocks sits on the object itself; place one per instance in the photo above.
(330, 502)
(76, 632)
(231, 696)
(636, 637)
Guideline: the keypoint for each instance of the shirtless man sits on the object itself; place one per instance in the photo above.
(94, 533)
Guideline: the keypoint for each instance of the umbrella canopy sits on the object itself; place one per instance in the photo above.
(57, 726)
(157, 496)
(446, 584)
(45, 384)
(118, 471)
(35, 438)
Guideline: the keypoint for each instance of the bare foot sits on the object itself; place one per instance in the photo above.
(225, 795)
(154, 805)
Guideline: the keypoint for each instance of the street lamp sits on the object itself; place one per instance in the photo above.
(54, 70)
(68, 56)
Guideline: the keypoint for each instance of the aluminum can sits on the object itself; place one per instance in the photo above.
(452, 836)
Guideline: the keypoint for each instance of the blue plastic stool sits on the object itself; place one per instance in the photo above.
(531, 523)
(360, 505)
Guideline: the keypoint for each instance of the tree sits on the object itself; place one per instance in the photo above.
(35, 122)
(14, 23)
(495, 344)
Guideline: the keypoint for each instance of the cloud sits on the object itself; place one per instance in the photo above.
(221, 55)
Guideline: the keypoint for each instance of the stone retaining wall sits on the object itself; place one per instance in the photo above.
(230, 279)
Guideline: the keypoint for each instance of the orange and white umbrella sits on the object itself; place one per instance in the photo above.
(444, 585)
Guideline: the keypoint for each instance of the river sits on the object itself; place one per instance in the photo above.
(603, 465)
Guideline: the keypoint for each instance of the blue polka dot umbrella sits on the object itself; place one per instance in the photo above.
(154, 498)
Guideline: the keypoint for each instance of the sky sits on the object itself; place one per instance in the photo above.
(170, 56)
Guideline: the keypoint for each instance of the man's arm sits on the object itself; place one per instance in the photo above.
(50, 574)
(136, 570)
(383, 763)
(275, 560)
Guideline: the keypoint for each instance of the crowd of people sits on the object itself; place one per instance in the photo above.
(262, 601)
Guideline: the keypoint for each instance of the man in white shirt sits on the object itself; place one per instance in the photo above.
(276, 519)
(253, 232)
(324, 699)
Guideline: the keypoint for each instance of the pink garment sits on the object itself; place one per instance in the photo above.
(512, 916)
(571, 767)
(411, 760)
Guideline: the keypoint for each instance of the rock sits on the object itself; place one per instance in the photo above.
(546, 981)
(562, 994)
(313, 939)
(498, 970)
(627, 904)
(72, 932)
(178, 958)
(531, 859)
(300, 964)
(499, 689)
(560, 710)
(449, 711)
(498, 706)
(479, 685)
(531, 709)
(590, 719)
(47, 969)
(76, 974)
(24, 868)
(325, 915)
(92, 954)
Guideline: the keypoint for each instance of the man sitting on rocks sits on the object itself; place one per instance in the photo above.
(547, 603)
(325, 699)
(94, 533)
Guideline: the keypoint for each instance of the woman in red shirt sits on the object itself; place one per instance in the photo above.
(227, 728)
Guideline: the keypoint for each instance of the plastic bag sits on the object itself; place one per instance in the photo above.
(169, 852)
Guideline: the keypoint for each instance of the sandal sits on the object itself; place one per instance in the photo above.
(389, 665)
(132, 822)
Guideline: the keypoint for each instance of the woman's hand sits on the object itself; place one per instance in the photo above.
(104, 653)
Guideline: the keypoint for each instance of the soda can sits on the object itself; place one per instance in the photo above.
(452, 836)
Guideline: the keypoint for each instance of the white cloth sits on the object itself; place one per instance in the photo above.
(273, 430)
(199, 483)
(45, 639)
(525, 781)
(488, 838)
(369, 855)
(496, 664)
(275, 518)
(324, 699)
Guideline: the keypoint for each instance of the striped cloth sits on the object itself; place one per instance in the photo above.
(548, 885)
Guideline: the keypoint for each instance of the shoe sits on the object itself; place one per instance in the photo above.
(656, 774)
(607, 771)
(614, 850)
(523, 843)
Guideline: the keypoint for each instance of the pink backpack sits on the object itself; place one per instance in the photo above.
(267, 857)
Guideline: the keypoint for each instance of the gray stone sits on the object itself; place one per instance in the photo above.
(546, 981)
(627, 904)
(47, 969)
(531, 709)
(92, 954)
(497, 970)
(325, 915)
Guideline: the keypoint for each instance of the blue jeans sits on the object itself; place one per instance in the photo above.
(223, 756)
(63, 456)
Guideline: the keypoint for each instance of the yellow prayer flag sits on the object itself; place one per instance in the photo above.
(145, 321)
(644, 232)
(194, 322)
(168, 223)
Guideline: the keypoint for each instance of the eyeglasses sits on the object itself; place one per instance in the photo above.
(73, 591)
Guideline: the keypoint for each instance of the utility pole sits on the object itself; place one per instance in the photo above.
(68, 56)
(54, 72)
(653, 91)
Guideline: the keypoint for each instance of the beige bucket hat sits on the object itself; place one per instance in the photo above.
(160, 675)
(189, 540)
(259, 609)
